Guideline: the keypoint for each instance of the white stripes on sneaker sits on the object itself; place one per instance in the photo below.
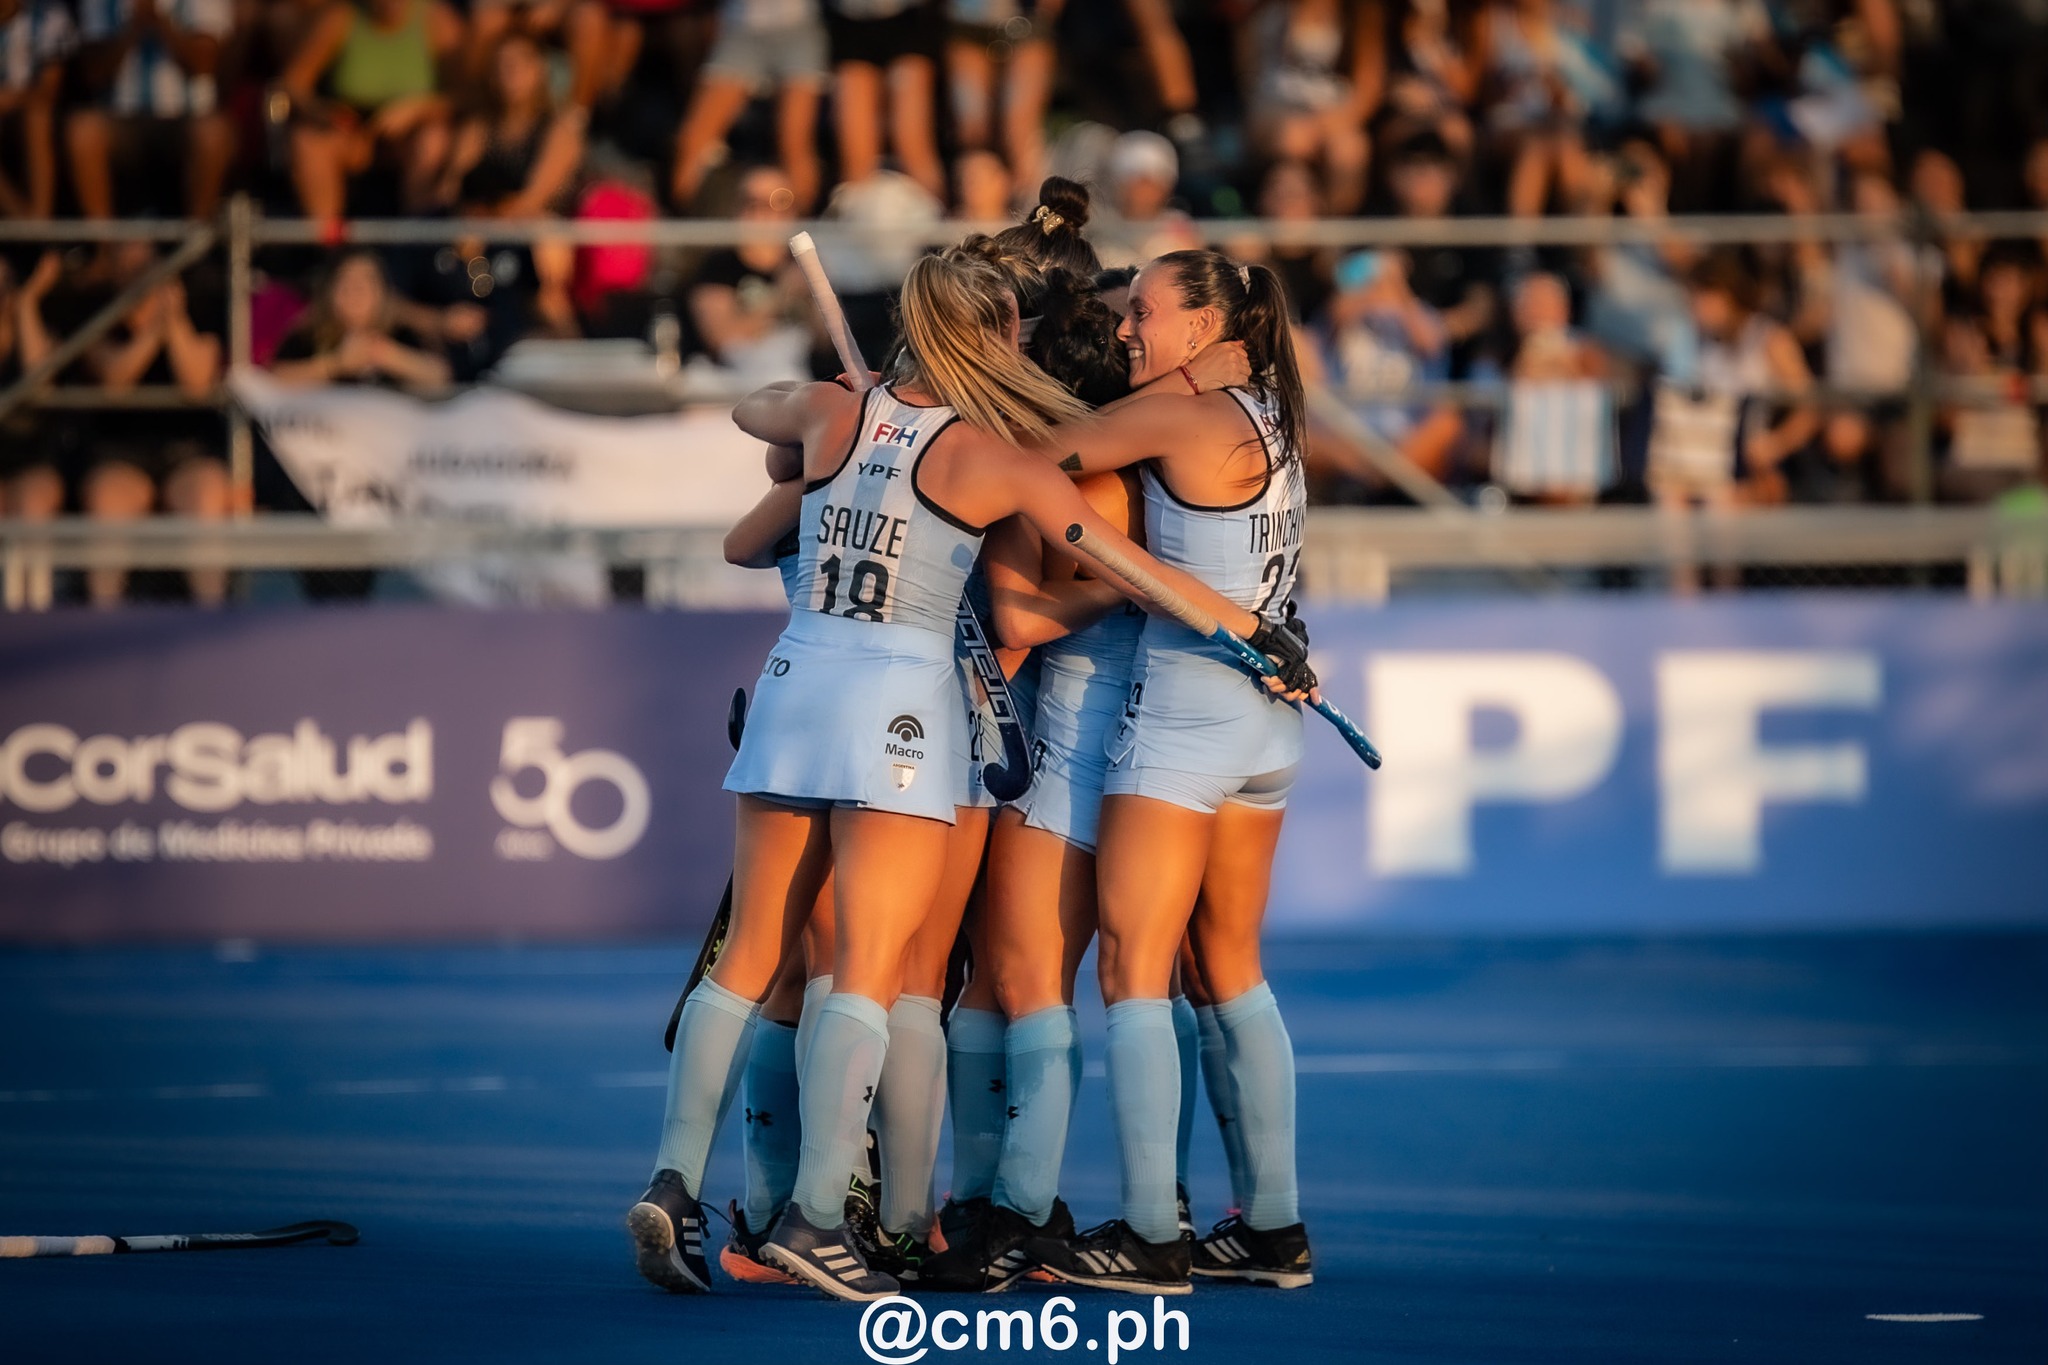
(841, 1262)
(1230, 1249)
(1102, 1263)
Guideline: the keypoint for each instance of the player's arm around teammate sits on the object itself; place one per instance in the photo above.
(1197, 791)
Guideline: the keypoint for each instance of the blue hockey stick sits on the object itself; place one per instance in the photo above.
(1207, 626)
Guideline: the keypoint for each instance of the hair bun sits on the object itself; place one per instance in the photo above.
(1066, 198)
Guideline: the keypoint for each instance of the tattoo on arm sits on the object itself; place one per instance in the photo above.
(1072, 464)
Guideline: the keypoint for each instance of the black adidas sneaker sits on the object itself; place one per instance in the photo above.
(824, 1258)
(1234, 1250)
(668, 1236)
(1114, 1257)
(958, 1218)
(740, 1257)
(899, 1256)
(1000, 1248)
(864, 1211)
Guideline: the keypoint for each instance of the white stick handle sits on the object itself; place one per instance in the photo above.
(805, 251)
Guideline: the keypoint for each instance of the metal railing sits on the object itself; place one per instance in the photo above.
(1352, 554)
(1373, 550)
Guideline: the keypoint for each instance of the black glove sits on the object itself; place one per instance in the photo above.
(1286, 644)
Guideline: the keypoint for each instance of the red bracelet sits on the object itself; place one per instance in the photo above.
(1189, 375)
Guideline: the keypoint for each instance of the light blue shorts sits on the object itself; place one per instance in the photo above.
(855, 713)
(1077, 715)
(1198, 731)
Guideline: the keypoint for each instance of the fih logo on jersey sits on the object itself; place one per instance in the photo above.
(889, 434)
(906, 729)
(535, 742)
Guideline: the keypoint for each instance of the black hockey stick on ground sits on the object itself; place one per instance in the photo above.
(714, 938)
(320, 1229)
(1008, 781)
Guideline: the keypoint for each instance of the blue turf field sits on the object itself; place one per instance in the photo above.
(1582, 1151)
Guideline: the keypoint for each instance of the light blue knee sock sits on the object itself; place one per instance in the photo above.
(1144, 1094)
(1042, 1072)
(838, 1081)
(815, 991)
(974, 1082)
(1223, 1101)
(1187, 1036)
(910, 1106)
(774, 1126)
(703, 1075)
(1262, 1069)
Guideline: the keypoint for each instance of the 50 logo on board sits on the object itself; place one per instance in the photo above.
(211, 767)
(535, 743)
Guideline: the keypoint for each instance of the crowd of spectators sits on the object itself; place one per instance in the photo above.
(1640, 371)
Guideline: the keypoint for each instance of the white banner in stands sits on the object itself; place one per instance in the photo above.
(367, 455)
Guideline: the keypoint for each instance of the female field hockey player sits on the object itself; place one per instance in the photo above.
(847, 760)
(1200, 767)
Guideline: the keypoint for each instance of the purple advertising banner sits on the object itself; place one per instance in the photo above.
(366, 773)
(1626, 764)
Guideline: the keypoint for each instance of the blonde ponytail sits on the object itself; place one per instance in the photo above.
(955, 318)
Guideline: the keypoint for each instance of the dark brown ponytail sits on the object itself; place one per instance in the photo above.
(1253, 304)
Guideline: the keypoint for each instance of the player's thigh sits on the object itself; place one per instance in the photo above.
(931, 947)
(1231, 909)
(780, 856)
(821, 933)
(888, 869)
(1041, 915)
(1148, 870)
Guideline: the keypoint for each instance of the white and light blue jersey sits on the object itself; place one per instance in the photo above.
(874, 547)
(150, 79)
(1193, 711)
(1250, 552)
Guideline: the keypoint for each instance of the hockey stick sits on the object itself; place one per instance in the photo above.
(1207, 626)
(1010, 779)
(714, 937)
(333, 1233)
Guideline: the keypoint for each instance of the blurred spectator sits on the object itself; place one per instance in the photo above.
(749, 303)
(36, 39)
(601, 48)
(884, 215)
(1545, 83)
(1315, 77)
(519, 158)
(999, 73)
(1993, 434)
(31, 488)
(1860, 307)
(149, 99)
(1384, 341)
(1710, 428)
(1457, 282)
(365, 91)
(1637, 304)
(982, 188)
(1432, 79)
(1290, 194)
(884, 76)
(1937, 188)
(765, 47)
(352, 335)
(1692, 59)
(1557, 435)
(1140, 221)
(129, 462)
(610, 284)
